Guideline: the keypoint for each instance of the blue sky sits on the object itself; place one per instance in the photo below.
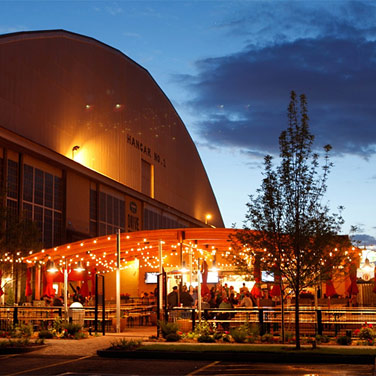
(228, 68)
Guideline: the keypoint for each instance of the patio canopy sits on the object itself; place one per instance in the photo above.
(101, 252)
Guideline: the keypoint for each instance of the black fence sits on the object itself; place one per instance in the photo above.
(331, 322)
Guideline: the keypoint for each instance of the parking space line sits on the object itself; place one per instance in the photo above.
(203, 368)
(50, 365)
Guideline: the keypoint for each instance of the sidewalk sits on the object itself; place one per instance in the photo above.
(89, 346)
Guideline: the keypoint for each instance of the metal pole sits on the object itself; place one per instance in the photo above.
(160, 286)
(66, 290)
(190, 266)
(199, 290)
(118, 281)
(160, 297)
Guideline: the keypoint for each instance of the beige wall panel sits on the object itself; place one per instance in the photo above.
(78, 203)
(128, 283)
(60, 89)
(43, 166)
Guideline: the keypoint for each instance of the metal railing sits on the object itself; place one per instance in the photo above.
(328, 321)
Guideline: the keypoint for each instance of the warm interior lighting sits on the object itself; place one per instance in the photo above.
(51, 267)
(79, 267)
(184, 269)
(208, 217)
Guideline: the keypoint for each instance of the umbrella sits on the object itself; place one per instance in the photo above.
(28, 290)
(204, 271)
(256, 290)
(353, 288)
(276, 289)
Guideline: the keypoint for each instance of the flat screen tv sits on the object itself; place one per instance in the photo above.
(267, 276)
(212, 277)
(151, 277)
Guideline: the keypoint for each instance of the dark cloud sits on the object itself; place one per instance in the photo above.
(364, 240)
(242, 98)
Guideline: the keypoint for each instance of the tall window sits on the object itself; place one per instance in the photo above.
(147, 178)
(43, 203)
(111, 214)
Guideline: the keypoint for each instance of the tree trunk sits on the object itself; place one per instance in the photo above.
(297, 328)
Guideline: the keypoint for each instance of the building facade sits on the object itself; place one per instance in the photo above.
(89, 142)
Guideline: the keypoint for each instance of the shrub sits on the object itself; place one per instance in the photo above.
(168, 328)
(70, 329)
(366, 333)
(124, 344)
(322, 339)
(217, 335)
(58, 324)
(172, 337)
(344, 340)
(45, 334)
(239, 334)
(22, 330)
(204, 328)
(267, 338)
(205, 338)
(226, 338)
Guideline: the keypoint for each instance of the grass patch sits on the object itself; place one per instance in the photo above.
(257, 348)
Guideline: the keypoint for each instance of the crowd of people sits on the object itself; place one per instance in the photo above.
(219, 296)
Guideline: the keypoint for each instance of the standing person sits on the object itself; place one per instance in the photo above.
(193, 293)
(186, 298)
(173, 298)
(243, 290)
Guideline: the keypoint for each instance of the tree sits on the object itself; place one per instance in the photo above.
(18, 236)
(288, 228)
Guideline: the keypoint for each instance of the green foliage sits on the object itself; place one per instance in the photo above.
(71, 329)
(58, 324)
(239, 334)
(344, 340)
(322, 339)
(205, 338)
(22, 342)
(125, 344)
(367, 333)
(205, 328)
(288, 216)
(45, 334)
(168, 328)
(267, 338)
(172, 337)
(22, 331)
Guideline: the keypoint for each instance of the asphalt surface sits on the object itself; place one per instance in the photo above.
(69, 357)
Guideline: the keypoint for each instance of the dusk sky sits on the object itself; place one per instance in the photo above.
(228, 68)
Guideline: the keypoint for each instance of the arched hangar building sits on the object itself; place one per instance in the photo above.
(89, 142)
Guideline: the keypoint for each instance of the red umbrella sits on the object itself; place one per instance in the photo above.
(353, 288)
(330, 290)
(28, 290)
(256, 290)
(204, 271)
(84, 291)
(48, 289)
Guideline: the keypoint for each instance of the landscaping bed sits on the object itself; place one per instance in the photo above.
(249, 353)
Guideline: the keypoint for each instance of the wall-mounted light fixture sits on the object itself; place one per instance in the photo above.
(208, 217)
(75, 148)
